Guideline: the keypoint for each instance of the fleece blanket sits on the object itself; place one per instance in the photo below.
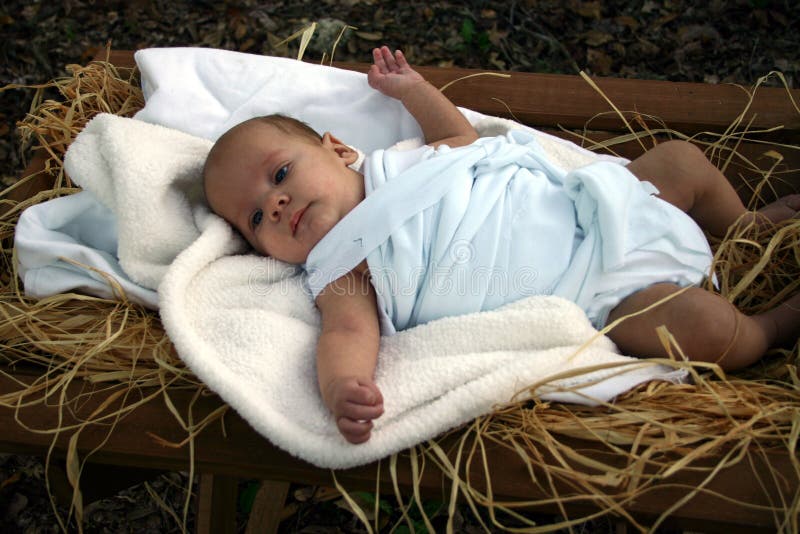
(247, 326)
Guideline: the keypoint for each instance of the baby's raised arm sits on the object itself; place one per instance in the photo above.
(441, 122)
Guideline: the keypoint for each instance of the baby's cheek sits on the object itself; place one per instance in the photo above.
(320, 225)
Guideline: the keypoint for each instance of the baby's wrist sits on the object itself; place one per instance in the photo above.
(331, 389)
(414, 88)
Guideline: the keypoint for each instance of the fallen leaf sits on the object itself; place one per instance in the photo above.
(498, 63)
(696, 32)
(597, 38)
(16, 476)
(364, 505)
(590, 10)
(370, 36)
(240, 30)
(627, 21)
(495, 35)
(599, 61)
(665, 19)
(780, 18)
(761, 16)
(649, 7)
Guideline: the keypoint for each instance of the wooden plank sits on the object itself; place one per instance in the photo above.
(216, 505)
(42, 181)
(567, 100)
(232, 454)
(265, 516)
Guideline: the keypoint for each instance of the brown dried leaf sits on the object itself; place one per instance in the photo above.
(780, 18)
(498, 63)
(597, 38)
(696, 32)
(240, 30)
(370, 36)
(247, 45)
(627, 21)
(495, 35)
(599, 61)
(590, 10)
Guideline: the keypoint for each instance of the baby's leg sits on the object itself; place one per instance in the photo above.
(689, 181)
(706, 326)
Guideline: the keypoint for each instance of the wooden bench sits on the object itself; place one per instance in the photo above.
(541, 100)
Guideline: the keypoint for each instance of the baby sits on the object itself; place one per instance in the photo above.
(392, 253)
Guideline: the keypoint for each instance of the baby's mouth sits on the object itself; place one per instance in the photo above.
(296, 219)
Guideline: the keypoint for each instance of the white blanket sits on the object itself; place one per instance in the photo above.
(245, 324)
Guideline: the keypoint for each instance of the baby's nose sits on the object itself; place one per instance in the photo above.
(278, 203)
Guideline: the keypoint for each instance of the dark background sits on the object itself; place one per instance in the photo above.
(713, 41)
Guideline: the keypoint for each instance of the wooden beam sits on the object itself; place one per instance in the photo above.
(265, 516)
(216, 505)
(569, 101)
(232, 454)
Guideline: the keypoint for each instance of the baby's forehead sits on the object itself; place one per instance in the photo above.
(249, 128)
(238, 138)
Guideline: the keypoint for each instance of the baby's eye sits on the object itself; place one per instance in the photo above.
(255, 219)
(281, 174)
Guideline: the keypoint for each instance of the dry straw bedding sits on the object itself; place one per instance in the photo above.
(657, 429)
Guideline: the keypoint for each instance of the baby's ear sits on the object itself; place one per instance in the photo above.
(348, 154)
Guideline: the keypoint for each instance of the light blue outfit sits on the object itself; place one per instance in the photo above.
(455, 231)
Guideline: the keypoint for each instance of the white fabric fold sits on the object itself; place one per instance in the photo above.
(70, 244)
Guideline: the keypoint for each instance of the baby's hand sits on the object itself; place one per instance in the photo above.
(354, 403)
(391, 74)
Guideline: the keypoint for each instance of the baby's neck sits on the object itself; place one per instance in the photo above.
(358, 180)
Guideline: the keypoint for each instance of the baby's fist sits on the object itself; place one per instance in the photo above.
(354, 403)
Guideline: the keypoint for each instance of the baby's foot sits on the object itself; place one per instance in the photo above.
(784, 208)
(786, 320)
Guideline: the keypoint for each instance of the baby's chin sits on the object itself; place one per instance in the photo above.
(296, 258)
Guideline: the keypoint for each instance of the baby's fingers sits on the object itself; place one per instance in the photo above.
(382, 57)
(388, 59)
(400, 59)
(368, 393)
(354, 431)
(361, 412)
(377, 59)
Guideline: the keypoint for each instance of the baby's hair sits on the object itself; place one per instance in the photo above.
(284, 123)
(288, 125)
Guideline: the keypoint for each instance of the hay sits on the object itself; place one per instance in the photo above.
(645, 436)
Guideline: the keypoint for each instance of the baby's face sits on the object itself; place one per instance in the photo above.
(283, 192)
